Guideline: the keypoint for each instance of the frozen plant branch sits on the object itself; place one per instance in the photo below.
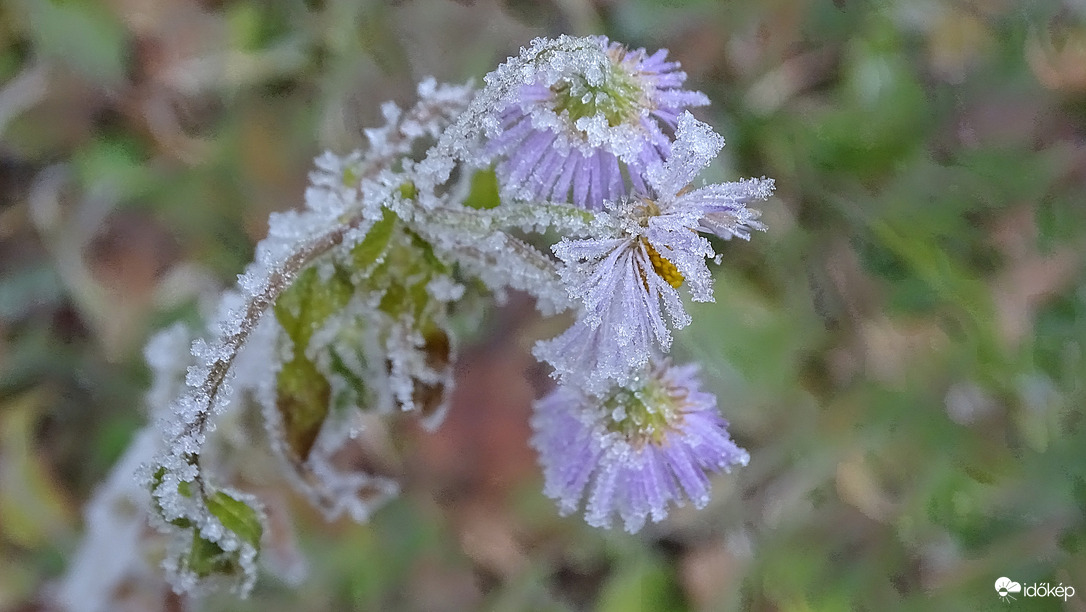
(570, 176)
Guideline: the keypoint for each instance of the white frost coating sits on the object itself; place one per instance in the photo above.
(696, 144)
(443, 288)
(438, 105)
(110, 567)
(534, 218)
(477, 240)
(339, 185)
(293, 238)
(412, 373)
(362, 346)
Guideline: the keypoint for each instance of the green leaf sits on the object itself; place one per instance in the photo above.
(303, 307)
(302, 391)
(237, 516)
(206, 558)
(484, 191)
(366, 253)
(408, 191)
(302, 400)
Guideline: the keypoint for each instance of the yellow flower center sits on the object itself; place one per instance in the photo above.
(664, 268)
(646, 413)
(618, 97)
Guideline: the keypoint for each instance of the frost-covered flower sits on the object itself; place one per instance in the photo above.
(623, 279)
(635, 450)
(589, 129)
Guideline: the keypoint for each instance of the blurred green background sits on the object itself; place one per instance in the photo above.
(901, 353)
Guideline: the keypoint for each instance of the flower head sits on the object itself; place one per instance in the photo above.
(572, 136)
(655, 249)
(635, 450)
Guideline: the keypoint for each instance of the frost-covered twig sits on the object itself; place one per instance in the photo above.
(205, 395)
(189, 508)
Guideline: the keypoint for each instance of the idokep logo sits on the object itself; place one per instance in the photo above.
(1005, 588)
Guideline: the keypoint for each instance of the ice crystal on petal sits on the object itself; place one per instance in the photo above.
(460, 141)
(719, 209)
(626, 282)
(634, 451)
(579, 127)
(623, 320)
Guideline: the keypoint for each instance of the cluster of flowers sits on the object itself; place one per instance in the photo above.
(585, 137)
(625, 428)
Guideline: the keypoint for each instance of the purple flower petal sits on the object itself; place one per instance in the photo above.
(536, 126)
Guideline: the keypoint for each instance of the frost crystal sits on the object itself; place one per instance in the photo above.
(633, 451)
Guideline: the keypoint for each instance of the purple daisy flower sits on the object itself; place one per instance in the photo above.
(635, 451)
(581, 135)
(623, 279)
